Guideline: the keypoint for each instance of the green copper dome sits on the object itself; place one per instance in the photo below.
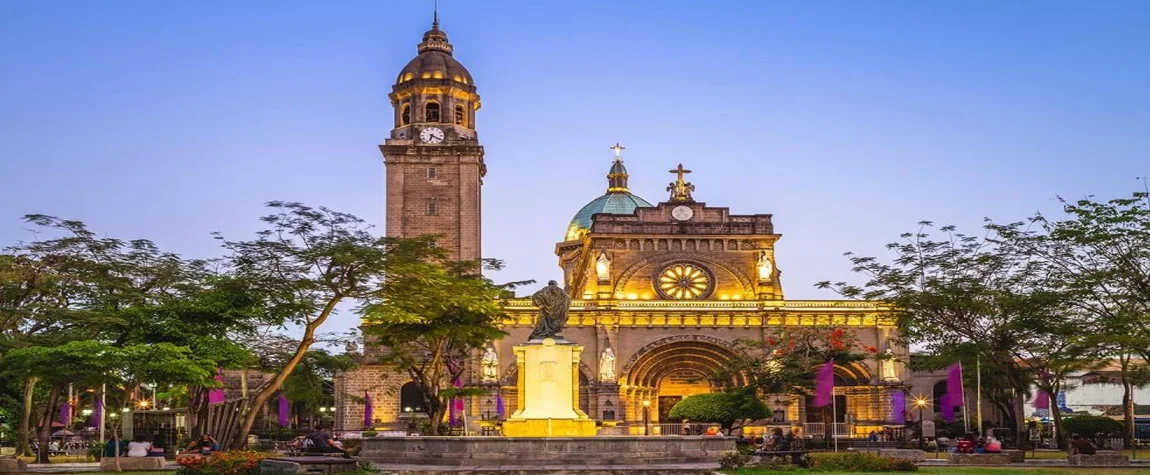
(618, 200)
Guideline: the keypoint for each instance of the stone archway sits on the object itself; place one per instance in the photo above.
(666, 370)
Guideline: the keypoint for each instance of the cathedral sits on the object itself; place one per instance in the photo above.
(660, 292)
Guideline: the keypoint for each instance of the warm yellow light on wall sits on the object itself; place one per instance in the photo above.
(632, 296)
(723, 297)
(618, 295)
(646, 295)
(737, 297)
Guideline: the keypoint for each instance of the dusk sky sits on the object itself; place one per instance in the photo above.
(849, 121)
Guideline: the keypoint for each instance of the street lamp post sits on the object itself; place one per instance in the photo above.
(921, 403)
(646, 417)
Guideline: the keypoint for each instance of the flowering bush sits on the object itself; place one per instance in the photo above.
(235, 462)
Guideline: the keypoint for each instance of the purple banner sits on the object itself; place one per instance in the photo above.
(825, 384)
(953, 397)
(217, 395)
(1042, 400)
(66, 414)
(368, 411)
(98, 413)
(499, 408)
(284, 411)
(898, 407)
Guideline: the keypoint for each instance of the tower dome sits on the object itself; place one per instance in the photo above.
(617, 200)
(435, 60)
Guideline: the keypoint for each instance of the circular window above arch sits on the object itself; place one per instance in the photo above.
(684, 281)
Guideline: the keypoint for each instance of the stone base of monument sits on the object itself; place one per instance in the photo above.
(623, 454)
(548, 392)
(549, 428)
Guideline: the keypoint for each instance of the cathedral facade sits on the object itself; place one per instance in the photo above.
(660, 292)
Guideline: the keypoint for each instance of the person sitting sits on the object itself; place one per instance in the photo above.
(771, 442)
(993, 445)
(872, 437)
(159, 446)
(139, 446)
(1081, 446)
(322, 443)
(205, 445)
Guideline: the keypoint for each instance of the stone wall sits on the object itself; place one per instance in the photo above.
(528, 451)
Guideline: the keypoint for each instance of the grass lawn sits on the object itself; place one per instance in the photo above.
(981, 471)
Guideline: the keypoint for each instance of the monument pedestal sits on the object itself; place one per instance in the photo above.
(548, 392)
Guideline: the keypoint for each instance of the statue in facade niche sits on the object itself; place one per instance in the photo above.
(764, 266)
(886, 367)
(607, 365)
(603, 267)
(490, 365)
(553, 303)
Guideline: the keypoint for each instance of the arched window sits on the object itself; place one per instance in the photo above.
(938, 392)
(460, 116)
(431, 112)
(411, 398)
(405, 116)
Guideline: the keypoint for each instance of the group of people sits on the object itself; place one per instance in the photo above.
(139, 446)
(319, 441)
(970, 444)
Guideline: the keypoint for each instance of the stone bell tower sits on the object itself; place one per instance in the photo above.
(433, 158)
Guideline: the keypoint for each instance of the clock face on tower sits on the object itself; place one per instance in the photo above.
(431, 135)
(682, 213)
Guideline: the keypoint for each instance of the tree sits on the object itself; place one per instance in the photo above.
(430, 314)
(305, 264)
(1092, 426)
(1099, 252)
(730, 410)
(959, 296)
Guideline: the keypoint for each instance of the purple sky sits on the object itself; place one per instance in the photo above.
(849, 121)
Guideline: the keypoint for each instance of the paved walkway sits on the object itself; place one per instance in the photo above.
(78, 467)
(669, 469)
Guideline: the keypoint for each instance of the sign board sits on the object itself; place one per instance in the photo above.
(928, 428)
(1035, 434)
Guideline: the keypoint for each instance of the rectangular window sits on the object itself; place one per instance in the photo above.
(432, 173)
(459, 115)
(432, 207)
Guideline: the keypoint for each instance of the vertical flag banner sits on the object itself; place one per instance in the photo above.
(825, 385)
(368, 410)
(284, 411)
(1042, 400)
(898, 407)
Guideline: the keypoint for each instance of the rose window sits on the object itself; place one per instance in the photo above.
(683, 281)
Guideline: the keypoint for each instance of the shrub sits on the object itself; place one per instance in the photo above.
(369, 433)
(1091, 426)
(725, 409)
(234, 462)
(859, 462)
(733, 461)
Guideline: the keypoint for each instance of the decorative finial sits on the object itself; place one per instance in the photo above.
(435, 15)
(680, 189)
(618, 151)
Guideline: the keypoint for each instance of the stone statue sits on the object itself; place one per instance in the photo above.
(607, 365)
(764, 266)
(553, 303)
(490, 365)
(351, 347)
(603, 267)
(886, 367)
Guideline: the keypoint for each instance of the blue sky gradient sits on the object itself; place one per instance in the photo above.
(849, 121)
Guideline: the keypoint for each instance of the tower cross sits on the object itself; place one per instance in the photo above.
(618, 149)
(680, 171)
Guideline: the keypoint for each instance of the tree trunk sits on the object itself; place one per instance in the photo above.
(44, 436)
(1128, 410)
(1056, 417)
(23, 447)
(251, 409)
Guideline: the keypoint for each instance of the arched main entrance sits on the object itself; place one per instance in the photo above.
(666, 370)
